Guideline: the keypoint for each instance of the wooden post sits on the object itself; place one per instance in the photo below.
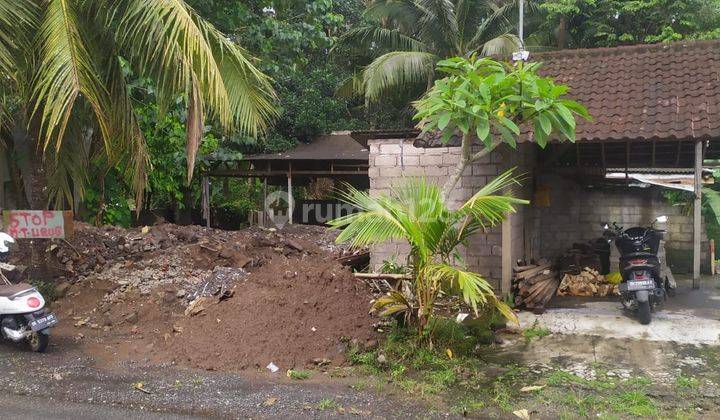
(206, 200)
(712, 256)
(697, 218)
(2, 181)
(265, 204)
(290, 199)
(506, 255)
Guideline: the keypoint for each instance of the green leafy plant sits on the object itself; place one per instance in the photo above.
(391, 267)
(488, 100)
(416, 212)
(298, 374)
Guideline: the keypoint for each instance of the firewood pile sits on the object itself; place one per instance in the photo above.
(589, 282)
(534, 285)
(578, 257)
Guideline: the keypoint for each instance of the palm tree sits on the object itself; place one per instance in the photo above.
(416, 212)
(64, 62)
(403, 40)
(67, 62)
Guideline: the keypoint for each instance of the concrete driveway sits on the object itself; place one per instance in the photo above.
(691, 317)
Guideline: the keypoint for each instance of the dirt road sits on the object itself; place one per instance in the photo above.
(64, 383)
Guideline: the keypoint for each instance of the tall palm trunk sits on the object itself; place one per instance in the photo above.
(36, 184)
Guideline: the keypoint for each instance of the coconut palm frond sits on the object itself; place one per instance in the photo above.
(503, 45)
(494, 201)
(68, 69)
(392, 303)
(395, 70)
(185, 55)
(162, 39)
(351, 87)
(472, 286)
(500, 21)
(17, 18)
(67, 168)
(439, 23)
(250, 91)
(370, 37)
(376, 222)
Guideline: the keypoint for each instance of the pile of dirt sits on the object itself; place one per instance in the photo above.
(211, 299)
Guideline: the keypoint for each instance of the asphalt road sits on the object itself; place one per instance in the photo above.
(28, 408)
(66, 384)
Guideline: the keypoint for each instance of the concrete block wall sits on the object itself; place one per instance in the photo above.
(393, 160)
(576, 215)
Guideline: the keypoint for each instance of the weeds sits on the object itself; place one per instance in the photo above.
(327, 404)
(685, 384)
(298, 374)
(633, 403)
(535, 332)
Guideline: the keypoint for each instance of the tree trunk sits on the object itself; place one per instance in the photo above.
(36, 183)
(561, 34)
(466, 158)
(100, 215)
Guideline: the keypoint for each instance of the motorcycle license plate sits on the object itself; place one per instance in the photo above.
(46, 321)
(634, 285)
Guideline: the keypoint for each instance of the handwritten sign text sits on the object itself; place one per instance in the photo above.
(35, 224)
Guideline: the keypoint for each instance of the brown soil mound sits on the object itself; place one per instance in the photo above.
(289, 312)
(212, 299)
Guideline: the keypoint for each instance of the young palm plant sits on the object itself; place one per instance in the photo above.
(416, 212)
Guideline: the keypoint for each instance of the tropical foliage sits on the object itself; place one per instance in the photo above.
(487, 100)
(398, 45)
(66, 61)
(416, 212)
(608, 23)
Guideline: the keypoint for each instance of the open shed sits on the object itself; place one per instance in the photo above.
(655, 108)
(336, 156)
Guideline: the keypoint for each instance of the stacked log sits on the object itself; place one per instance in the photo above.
(535, 285)
(589, 282)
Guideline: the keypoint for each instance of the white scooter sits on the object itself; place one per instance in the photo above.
(22, 308)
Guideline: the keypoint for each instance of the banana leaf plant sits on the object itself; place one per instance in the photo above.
(415, 212)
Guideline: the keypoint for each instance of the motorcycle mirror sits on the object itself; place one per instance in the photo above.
(4, 240)
(662, 219)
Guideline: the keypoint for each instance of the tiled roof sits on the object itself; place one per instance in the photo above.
(643, 92)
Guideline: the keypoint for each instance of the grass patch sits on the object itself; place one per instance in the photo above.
(686, 383)
(299, 374)
(634, 403)
(468, 385)
(535, 332)
(327, 404)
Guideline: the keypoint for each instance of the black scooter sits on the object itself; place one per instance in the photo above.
(643, 287)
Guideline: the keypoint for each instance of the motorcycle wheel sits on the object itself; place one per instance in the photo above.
(38, 342)
(643, 312)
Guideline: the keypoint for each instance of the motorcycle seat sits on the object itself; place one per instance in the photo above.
(7, 290)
